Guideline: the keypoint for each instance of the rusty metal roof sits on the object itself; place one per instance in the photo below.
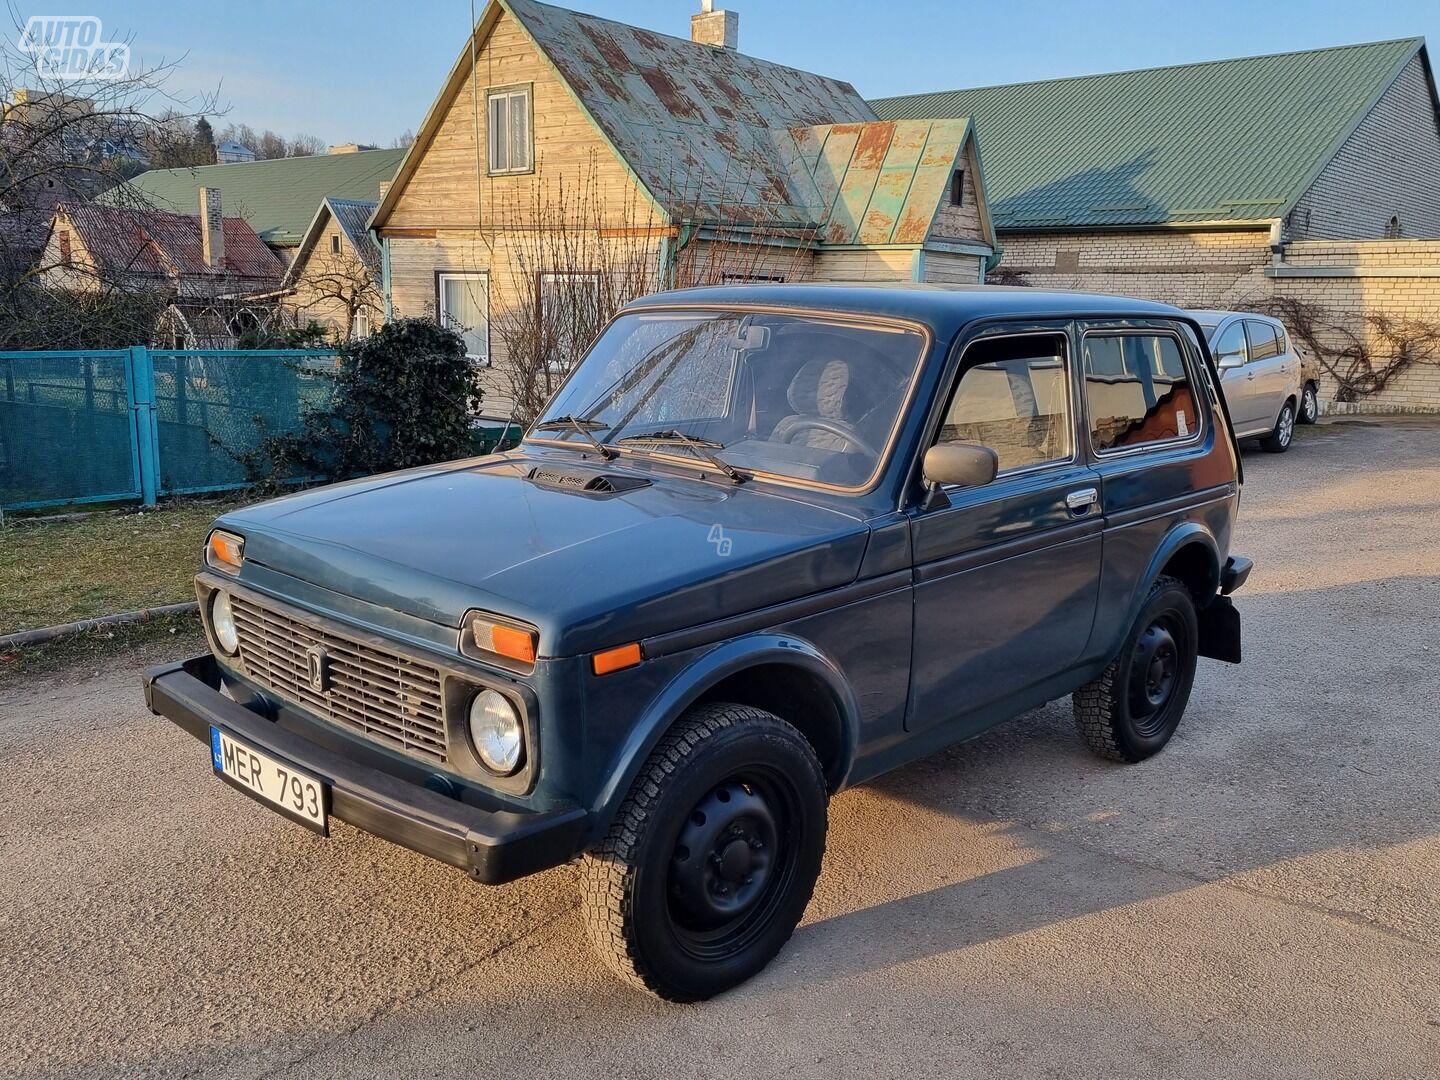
(880, 182)
(706, 130)
(154, 242)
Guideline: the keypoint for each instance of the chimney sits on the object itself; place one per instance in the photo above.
(720, 29)
(212, 227)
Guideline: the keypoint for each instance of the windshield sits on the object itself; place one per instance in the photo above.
(811, 398)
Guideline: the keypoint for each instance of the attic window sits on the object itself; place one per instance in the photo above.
(1392, 228)
(957, 188)
(62, 237)
(507, 116)
(335, 244)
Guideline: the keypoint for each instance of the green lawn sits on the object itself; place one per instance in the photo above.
(61, 571)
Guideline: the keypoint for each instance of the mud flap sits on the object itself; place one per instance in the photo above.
(1220, 630)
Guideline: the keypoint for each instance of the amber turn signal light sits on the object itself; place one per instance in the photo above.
(225, 551)
(626, 656)
(507, 641)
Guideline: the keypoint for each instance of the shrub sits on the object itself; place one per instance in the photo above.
(403, 397)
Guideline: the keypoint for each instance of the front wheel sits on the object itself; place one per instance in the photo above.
(1133, 708)
(712, 857)
(1278, 441)
(1309, 405)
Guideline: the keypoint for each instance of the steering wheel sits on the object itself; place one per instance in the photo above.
(834, 427)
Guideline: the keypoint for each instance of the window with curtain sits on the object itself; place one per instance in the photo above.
(508, 123)
(463, 304)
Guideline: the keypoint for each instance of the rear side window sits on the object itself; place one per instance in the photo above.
(1137, 390)
(1013, 397)
(1263, 341)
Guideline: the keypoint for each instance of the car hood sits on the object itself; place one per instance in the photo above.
(588, 569)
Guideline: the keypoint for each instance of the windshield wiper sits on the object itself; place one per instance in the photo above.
(584, 427)
(701, 447)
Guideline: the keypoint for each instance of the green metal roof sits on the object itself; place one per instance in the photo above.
(1227, 140)
(277, 197)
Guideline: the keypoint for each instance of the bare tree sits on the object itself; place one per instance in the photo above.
(572, 267)
(403, 141)
(334, 288)
(69, 133)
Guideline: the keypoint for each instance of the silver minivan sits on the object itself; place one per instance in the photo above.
(1259, 373)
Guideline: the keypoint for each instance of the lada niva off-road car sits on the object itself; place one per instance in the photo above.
(764, 544)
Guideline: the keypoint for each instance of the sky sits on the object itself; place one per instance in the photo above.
(367, 70)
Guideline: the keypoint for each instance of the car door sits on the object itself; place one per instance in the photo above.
(1231, 349)
(1265, 373)
(1006, 574)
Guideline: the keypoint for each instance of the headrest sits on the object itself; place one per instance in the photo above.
(820, 388)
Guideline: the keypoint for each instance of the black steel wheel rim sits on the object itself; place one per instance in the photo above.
(1156, 672)
(733, 863)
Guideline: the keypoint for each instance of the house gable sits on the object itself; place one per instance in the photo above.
(444, 181)
(1389, 166)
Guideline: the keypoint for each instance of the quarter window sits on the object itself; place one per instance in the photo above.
(508, 122)
(463, 304)
(1013, 398)
(1231, 344)
(1138, 390)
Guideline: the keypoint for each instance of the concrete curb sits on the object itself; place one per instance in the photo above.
(50, 633)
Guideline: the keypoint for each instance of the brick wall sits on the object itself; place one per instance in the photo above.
(1232, 269)
(1351, 279)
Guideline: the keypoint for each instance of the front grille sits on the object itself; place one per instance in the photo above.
(390, 699)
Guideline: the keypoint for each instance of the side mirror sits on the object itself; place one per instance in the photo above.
(961, 464)
(1230, 361)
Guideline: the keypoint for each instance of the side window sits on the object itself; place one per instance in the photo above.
(1138, 390)
(1231, 344)
(1013, 397)
(1263, 342)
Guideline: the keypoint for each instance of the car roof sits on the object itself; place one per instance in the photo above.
(1209, 317)
(943, 308)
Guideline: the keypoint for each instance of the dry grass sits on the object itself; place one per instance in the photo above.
(61, 571)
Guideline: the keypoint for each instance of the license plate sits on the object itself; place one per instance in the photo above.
(296, 794)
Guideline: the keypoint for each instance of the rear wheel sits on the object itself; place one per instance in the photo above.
(713, 856)
(1133, 708)
(1278, 441)
(1309, 405)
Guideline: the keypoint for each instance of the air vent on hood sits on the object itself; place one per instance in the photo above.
(590, 483)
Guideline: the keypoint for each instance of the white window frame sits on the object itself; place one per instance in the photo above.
(360, 325)
(510, 95)
(443, 317)
(547, 276)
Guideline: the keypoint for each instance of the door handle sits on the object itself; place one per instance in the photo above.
(1080, 501)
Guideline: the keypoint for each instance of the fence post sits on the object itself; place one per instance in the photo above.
(147, 435)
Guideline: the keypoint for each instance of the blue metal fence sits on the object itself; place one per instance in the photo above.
(134, 424)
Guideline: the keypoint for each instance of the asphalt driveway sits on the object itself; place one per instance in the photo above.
(1263, 899)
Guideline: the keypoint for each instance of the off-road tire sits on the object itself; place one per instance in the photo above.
(1279, 440)
(1309, 410)
(1104, 711)
(629, 912)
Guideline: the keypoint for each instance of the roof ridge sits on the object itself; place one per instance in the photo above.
(1416, 42)
(681, 40)
(272, 161)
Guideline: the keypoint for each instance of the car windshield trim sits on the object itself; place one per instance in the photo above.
(883, 323)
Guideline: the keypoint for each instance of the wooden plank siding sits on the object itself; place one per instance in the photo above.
(569, 152)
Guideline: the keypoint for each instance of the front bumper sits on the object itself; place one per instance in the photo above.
(494, 843)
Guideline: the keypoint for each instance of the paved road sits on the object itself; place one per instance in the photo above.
(1263, 899)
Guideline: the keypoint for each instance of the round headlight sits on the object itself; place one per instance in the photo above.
(495, 731)
(222, 621)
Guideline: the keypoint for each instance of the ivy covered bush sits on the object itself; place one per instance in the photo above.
(403, 397)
